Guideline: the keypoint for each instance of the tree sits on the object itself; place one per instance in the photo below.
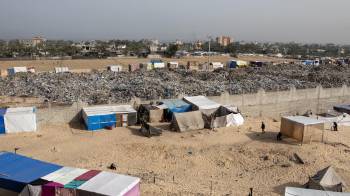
(171, 50)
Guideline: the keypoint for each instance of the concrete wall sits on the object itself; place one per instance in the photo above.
(269, 104)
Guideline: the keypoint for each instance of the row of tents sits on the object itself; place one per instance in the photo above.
(191, 113)
(24, 176)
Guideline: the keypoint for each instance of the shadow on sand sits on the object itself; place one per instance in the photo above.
(270, 137)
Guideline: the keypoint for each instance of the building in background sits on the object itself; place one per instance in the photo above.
(224, 40)
(37, 40)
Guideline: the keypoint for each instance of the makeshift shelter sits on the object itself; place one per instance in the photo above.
(61, 69)
(115, 68)
(15, 120)
(14, 70)
(175, 106)
(106, 183)
(157, 63)
(134, 67)
(172, 65)
(187, 121)
(327, 179)
(64, 175)
(329, 118)
(18, 171)
(236, 63)
(343, 108)
(292, 191)
(203, 104)
(2, 120)
(99, 117)
(223, 117)
(301, 128)
(150, 113)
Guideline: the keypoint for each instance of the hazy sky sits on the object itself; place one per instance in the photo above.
(250, 20)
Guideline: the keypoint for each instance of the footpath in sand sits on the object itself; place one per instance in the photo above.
(225, 161)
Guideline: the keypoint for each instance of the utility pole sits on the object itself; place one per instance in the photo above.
(209, 51)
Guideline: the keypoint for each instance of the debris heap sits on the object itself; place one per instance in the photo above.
(113, 87)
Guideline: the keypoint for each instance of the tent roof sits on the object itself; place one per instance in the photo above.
(20, 110)
(2, 111)
(21, 169)
(202, 102)
(291, 191)
(103, 110)
(174, 103)
(328, 177)
(110, 184)
(64, 175)
(304, 120)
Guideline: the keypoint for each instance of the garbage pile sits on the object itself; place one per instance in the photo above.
(119, 87)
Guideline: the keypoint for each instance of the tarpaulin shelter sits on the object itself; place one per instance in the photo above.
(64, 175)
(302, 129)
(106, 183)
(150, 113)
(14, 70)
(21, 119)
(175, 106)
(327, 179)
(344, 108)
(2, 120)
(187, 121)
(203, 104)
(292, 191)
(17, 171)
(99, 117)
(329, 118)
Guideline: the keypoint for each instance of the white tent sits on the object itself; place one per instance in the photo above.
(291, 191)
(64, 175)
(106, 183)
(20, 120)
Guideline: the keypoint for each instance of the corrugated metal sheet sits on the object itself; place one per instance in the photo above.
(2, 122)
(17, 171)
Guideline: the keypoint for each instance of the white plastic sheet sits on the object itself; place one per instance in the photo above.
(20, 120)
(110, 184)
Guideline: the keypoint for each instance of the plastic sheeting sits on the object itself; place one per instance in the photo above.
(291, 191)
(111, 184)
(2, 120)
(17, 171)
(188, 121)
(203, 104)
(20, 120)
(64, 175)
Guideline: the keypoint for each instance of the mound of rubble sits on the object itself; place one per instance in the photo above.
(112, 87)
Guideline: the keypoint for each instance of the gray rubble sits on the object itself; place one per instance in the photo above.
(113, 87)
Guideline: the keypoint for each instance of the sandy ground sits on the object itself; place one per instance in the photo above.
(227, 161)
(49, 65)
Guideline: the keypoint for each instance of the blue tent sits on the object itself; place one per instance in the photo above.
(2, 122)
(17, 171)
(175, 106)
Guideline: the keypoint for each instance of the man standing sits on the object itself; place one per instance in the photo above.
(263, 127)
(335, 126)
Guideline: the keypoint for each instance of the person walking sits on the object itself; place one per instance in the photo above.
(263, 127)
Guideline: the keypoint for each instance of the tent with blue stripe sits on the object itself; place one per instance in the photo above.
(17, 171)
(2, 120)
(175, 106)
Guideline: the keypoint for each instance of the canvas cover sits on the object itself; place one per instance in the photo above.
(302, 129)
(188, 121)
(106, 183)
(64, 175)
(292, 191)
(344, 108)
(21, 119)
(327, 179)
(150, 113)
(223, 117)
